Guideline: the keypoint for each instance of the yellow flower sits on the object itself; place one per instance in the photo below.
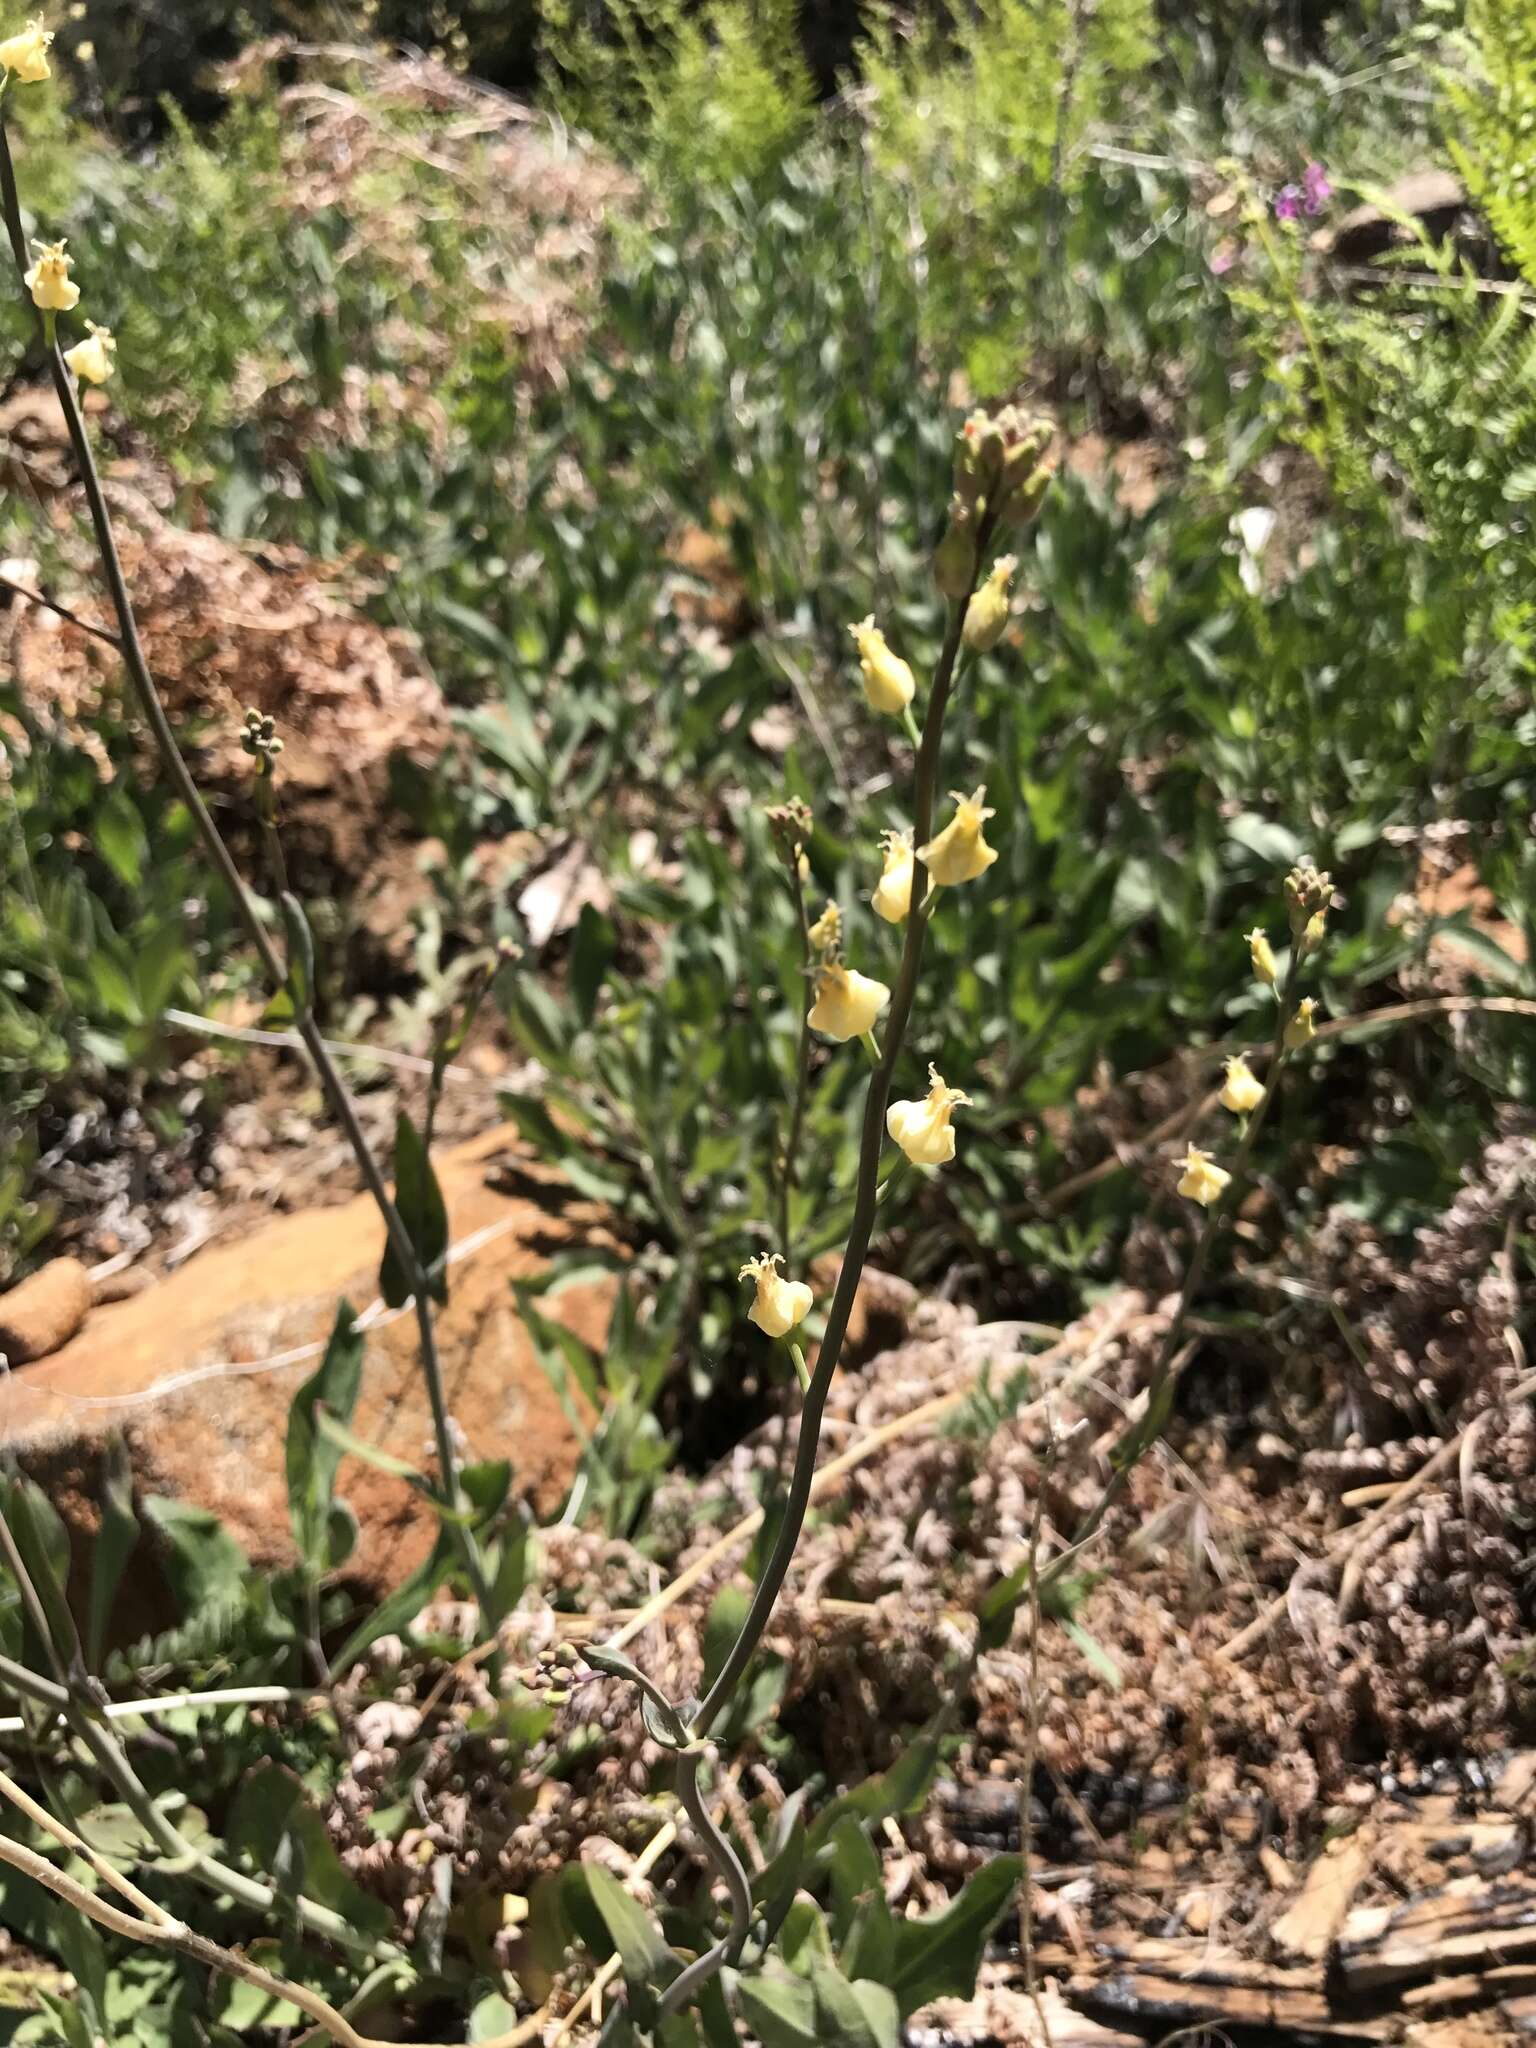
(26, 53)
(959, 853)
(888, 681)
(1263, 956)
(826, 934)
(1244, 1091)
(893, 892)
(986, 615)
(1301, 1030)
(846, 1004)
(1316, 930)
(93, 358)
(1203, 1180)
(780, 1303)
(923, 1129)
(49, 281)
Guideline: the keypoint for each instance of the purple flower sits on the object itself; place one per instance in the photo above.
(1288, 203)
(1315, 188)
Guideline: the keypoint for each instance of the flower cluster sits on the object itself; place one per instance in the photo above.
(1000, 475)
(260, 739)
(1308, 892)
(1309, 197)
(24, 57)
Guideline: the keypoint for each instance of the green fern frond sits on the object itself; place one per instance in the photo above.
(1495, 149)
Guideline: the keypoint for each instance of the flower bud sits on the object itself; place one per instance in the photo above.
(892, 899)
(888, 682)
(1308, 891)
(986, 616)
(1202, 1180)
(923, 1129)
(791, 825)
(1243, 1091)
(826, 934)
(959, 853)
(954, 561)
(1264, 967)
(847, 1003)
(780, 1303)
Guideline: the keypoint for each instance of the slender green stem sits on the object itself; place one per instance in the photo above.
(909, 725)
(1139, 1440)
(728, 1863)
(802, 1082)
(30, 1685)
(88, 1726)
(872, 1142)
(871, 1045)
(802, 1370)
(186, 788)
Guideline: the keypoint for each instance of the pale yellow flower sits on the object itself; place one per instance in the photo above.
(780, 1303)
(888, 682)
(1302, 1028)
(892, 899)
(26, 53)
(1263, 956)
(986, 616)
(1316, 931)
(959, 853)
(94, 358)
(847, 1003)
(1203, 1181)
(826, 934)
(923, 1129)
(1244, 1091)
(52, 288)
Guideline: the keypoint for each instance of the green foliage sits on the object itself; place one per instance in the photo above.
(700, 92)
(976, 124)
(1493, 136)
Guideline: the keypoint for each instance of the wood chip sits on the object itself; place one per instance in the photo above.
(1279, 1873)
(1468, 1923)
(1308, 1925)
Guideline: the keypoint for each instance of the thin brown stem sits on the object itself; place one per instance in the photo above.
(91, 1729)
(165, 1932)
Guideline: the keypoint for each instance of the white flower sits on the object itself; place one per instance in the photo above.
(923, 1129)
(780, 1303)
(94, 358)
(1252, 528)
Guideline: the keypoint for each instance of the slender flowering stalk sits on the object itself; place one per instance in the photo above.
(186, 788)
(1211, 1185)
(790, 824)
(866, 1196)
